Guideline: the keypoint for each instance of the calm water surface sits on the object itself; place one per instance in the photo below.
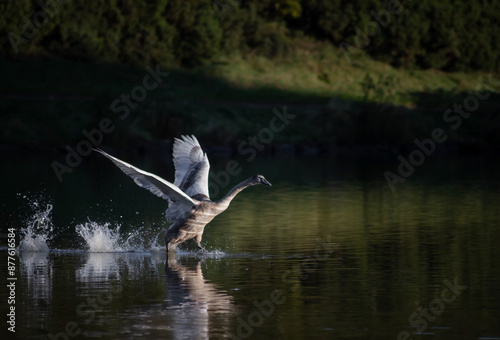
(327, 252)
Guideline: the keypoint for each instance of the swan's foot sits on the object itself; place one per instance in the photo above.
(202, 250)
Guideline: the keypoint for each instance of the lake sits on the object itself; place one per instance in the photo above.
(327, 252)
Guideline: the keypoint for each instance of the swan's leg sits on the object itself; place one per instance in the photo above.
(171, 247)
(173, 238)
(198, 242)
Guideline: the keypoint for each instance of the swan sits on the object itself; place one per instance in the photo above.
(190, 208)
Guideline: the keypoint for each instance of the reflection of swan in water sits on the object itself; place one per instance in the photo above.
(189, 206)
(197, 305)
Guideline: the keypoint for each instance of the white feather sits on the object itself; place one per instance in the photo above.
(191, 166)
(179, 202)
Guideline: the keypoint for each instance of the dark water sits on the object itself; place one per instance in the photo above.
(328, 252)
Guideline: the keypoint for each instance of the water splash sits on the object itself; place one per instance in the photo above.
(103, 238)
(36, 236)
(155, 247)
(99, 238)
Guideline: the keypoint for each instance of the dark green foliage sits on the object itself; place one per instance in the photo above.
(447, 35)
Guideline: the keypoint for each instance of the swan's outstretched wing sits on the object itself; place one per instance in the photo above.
(153, 183)
(191, 166)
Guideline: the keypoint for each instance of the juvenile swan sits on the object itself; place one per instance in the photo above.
(190, 208)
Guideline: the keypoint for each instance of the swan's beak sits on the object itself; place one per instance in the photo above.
(265, 181)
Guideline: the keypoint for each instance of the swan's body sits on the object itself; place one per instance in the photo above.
(189, 206)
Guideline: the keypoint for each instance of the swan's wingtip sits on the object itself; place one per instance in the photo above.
(100, 151)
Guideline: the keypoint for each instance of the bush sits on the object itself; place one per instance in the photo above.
(452, 36)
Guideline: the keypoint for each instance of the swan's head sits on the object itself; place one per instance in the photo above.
(259, 179)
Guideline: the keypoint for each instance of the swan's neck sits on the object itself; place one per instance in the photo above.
(224, 202)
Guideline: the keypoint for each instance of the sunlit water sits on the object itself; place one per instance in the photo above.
(327, 252)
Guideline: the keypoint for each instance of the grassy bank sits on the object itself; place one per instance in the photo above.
(47, 102)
